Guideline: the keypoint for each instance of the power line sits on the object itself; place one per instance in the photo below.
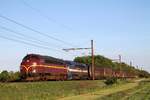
(47, 17)
(29, 41)
(23, 42)
(31, 44)
(36, 31)
(43, 34)
(35, 45)
(33, 39)
(44, 15)
(20, 34)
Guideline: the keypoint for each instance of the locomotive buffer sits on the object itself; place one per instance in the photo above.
(92, 55)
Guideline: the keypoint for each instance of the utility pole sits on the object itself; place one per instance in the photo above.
(120, 63)
(92, 56)
(130, 63)
(120, 59)
(137, 66)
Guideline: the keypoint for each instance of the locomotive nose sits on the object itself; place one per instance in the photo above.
(25, 66)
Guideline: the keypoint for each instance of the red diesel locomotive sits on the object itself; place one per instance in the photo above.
(38, 67)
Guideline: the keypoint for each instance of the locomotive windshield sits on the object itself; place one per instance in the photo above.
(28, 57)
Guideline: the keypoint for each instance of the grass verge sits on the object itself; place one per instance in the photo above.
(140, 92)
(51, 90)
(110, 89)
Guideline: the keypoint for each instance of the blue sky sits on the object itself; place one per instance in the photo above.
(116, 26)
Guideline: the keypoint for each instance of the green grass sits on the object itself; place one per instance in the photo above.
(140, 92)
(75, 90)
(96, 95)
(47, 90)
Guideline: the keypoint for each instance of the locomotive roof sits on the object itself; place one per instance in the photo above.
(46, 57)
(57, 60)
(74, 63)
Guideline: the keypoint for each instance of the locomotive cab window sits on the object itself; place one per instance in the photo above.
(26, 58)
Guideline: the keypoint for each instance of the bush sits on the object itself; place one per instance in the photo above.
(111, 81)
(4, 76)
(14, 76)
(144, 74)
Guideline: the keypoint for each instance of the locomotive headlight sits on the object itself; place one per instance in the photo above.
(34, 71)
(34, 64)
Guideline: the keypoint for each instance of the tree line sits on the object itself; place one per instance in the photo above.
(11, 76)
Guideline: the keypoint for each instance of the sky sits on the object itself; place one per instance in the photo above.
(116, 26)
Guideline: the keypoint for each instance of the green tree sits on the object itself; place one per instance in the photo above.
(100, 61)
(4, 76)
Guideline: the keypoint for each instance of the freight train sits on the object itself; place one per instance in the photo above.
(39, 67)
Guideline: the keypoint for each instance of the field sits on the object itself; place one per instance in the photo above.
(47, 90)
(75, 90)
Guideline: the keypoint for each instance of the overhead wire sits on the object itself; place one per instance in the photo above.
(42, 34)
(31, 44)
(34, 30)
(29, 40)
(45, 16)
(27, 37)
(27, 43)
